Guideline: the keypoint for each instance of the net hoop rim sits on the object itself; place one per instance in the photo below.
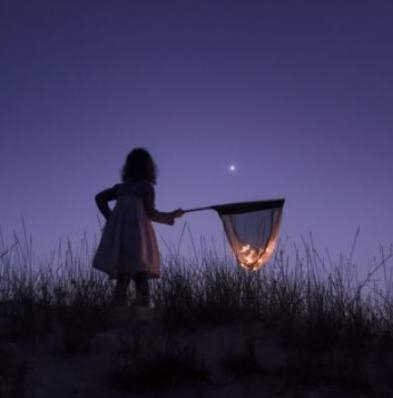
(248, 207)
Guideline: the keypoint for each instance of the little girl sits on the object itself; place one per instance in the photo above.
(128, 246)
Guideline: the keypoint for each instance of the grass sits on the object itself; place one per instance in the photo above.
(334, 328)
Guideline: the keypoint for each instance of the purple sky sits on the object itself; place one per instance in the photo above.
(300, 98)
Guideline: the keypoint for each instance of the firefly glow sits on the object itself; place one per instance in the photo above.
(253, 259)
(252, 256)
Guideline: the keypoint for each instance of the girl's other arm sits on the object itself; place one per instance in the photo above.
(154, 214)
(102, 199)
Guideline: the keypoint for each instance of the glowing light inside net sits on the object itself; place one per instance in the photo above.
(253, 235)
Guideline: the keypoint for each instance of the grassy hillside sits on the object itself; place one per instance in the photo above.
(302, 326)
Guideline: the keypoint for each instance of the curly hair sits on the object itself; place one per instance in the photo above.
(139, 165)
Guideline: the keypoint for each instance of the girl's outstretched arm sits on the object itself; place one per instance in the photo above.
(153, 213)
(102, 199)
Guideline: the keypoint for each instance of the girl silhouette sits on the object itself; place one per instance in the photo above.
(128, 246)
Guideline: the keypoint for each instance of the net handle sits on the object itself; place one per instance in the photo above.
(199, 209)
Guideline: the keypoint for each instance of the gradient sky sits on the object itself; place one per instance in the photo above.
(298, 94)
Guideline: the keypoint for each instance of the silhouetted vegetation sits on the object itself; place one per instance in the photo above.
(332, 328)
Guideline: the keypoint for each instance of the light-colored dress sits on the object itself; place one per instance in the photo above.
(128, 243)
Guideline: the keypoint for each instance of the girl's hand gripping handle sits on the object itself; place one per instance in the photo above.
(178, 213)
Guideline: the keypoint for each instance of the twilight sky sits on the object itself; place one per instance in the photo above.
(297, 94)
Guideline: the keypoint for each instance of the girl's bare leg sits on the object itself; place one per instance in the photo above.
(142, 289)
(120, 292)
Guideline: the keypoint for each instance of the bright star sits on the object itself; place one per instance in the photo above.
(232, 168)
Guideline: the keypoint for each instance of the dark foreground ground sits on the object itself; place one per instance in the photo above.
(129, 352)
(308, 326)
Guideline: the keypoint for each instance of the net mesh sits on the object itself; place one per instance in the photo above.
(252, 235)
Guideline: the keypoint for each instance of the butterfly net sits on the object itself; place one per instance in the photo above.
(252, 230)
